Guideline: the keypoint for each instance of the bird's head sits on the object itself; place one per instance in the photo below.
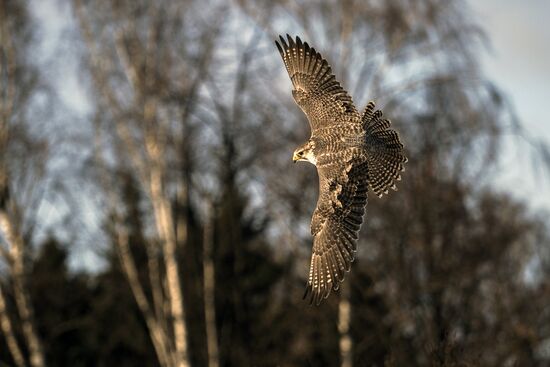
(305, 153)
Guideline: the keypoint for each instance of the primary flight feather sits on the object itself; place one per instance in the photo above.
(352, 153)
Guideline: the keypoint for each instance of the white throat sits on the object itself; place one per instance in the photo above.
(310, 157)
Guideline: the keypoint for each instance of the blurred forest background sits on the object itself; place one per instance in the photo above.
(180, 179)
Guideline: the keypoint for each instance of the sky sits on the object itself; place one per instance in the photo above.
(520, 57)
(517, 61)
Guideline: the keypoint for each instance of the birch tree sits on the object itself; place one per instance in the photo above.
(22, 167)
(146, 72)
(186, 99)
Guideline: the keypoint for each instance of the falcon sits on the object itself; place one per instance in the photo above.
(352, 152)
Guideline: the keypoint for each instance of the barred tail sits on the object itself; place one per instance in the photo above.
(386, 157)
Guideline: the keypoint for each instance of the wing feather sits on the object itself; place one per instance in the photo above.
(384, 149)
(335, 225)
(316, 89)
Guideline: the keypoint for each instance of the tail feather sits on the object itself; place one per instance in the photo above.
(386, 156)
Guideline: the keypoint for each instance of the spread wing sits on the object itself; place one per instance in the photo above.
(316, 89)
(384, 150)
(335, 226)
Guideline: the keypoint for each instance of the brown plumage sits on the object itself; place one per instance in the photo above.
(351, 153)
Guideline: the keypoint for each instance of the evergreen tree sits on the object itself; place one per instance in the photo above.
(62, 304)
(245, 278)
(119, 336)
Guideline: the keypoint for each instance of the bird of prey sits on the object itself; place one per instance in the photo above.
(352, 153)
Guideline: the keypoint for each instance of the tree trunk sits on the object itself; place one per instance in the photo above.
(158, 335)
(165, 226)
(24, 306)
(344, 316)
(7, 330)
(26, 313)
(209, 290)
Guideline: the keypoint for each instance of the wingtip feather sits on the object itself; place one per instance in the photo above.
(283, 42)
(291, 42)
(279, 48)
(307, 291)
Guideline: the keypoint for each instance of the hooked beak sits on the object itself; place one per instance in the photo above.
(295, 157)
